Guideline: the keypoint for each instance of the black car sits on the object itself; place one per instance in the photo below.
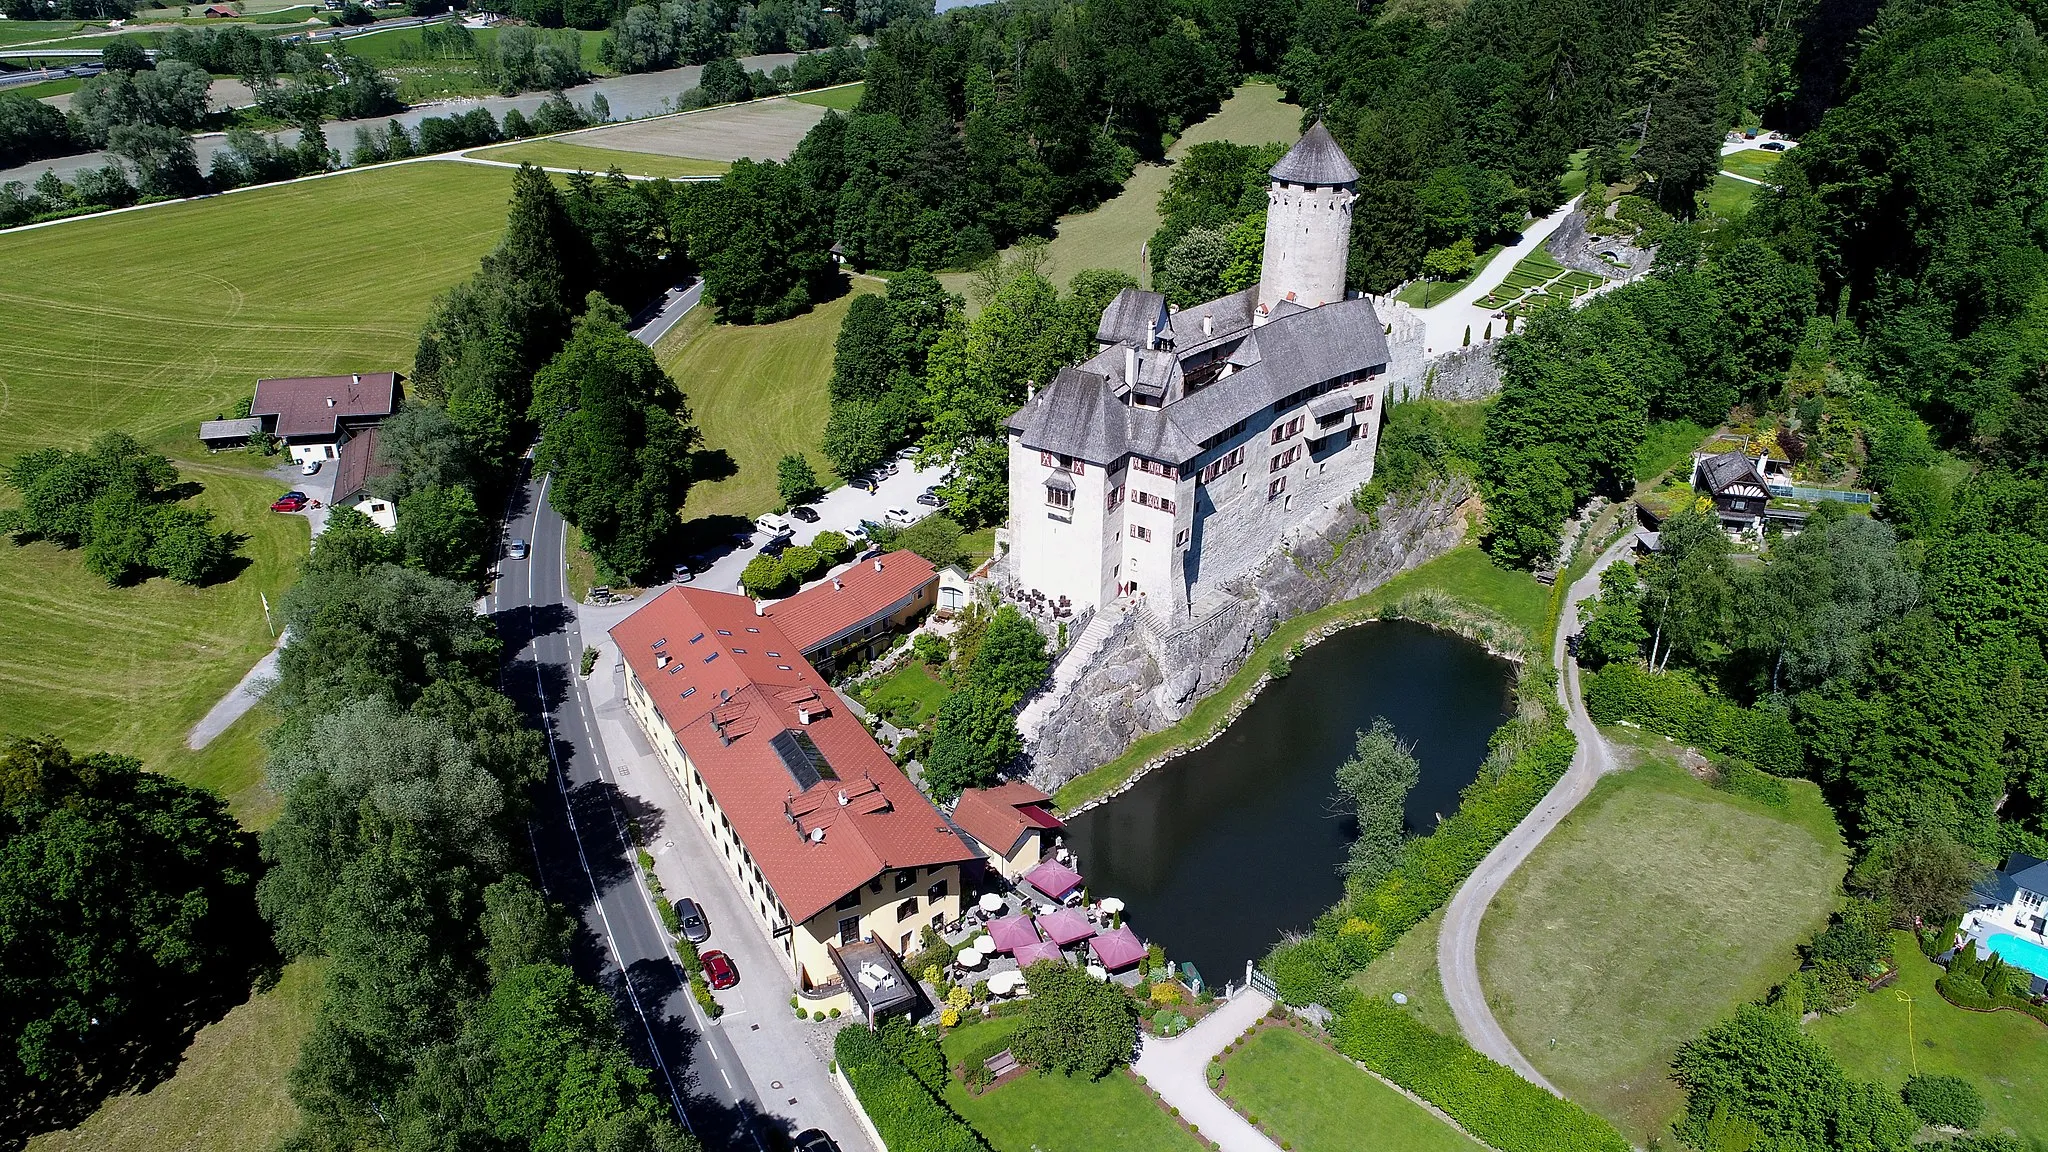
(806, 514)
(815, 1140)
(696, 929)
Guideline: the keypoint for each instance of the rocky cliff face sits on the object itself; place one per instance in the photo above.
(1149, 674)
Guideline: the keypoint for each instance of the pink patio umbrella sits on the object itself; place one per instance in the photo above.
(1117, 949)
(1013, 932)
(1054, 879)
(1043, 950)
(1065, 926)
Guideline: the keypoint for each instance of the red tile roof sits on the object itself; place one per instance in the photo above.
(832, 608)
(733, 684)
(998, 817)
(316, 405)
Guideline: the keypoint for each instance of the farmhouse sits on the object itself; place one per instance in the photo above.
(1175, 458)
(855, 614)
(358, 480)
(1736, 485)
(316, 415)
(1012, 823)
(825, 837)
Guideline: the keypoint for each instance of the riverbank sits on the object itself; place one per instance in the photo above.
(1461, 591)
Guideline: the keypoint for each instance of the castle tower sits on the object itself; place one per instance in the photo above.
(1308, 223)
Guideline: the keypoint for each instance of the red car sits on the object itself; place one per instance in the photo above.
(718, 969)
(291, 502)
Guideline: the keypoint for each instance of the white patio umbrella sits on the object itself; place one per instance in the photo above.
(1098, 971)
(969, 958)
(1003, 982)
(985, 942)
(1115, 908)
(991, 903)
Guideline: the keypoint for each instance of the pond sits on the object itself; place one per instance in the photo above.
(1220, 851)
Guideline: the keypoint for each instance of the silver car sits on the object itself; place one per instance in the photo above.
(518, 550)
(696, 929)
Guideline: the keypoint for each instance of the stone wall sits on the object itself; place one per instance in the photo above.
(1574, 248)
(1466, 374)
(1150, 674)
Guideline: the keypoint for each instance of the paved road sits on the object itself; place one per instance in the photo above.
(1458, 941)
(584, 855)
(675, 304)
(1445, 321)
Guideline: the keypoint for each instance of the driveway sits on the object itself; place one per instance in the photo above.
(1178, 1069)
(840, 510)
(1458, 941)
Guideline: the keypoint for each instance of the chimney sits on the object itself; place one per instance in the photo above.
(817, 835)
(760, 609)
(1290, 295)
(662, 660)
(1152, 332)
(878, 565)
(357, 380)
(1030, 391)
(1130, 365)
(842, 797)
(330, 401)
(1208, 324)
(837, 584)
(803, 715)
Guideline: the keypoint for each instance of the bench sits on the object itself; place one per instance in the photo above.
(1001, 1064)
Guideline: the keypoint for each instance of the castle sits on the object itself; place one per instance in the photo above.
(1177, 456)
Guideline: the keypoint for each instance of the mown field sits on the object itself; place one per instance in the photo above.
(582, 157)
(1754, 163)
(1311, 1097)
(843, 97)
(758, 392)
(1070, 1113)
(1114, 234)
(1652, 911)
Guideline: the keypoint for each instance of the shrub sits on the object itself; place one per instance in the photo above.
(1490, 1101)
(932, 649)
(831, 545)
(1674, 704)
(905, 1112)
(802, 562)
(1741, 778)
(1945, 1100)
(1166, 994)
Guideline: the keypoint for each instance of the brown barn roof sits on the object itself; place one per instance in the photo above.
(358, 466)
(317, 405)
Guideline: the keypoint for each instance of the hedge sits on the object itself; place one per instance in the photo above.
(905, 1113)
(1366, 924)
(1674, 704)
(1489, 1100)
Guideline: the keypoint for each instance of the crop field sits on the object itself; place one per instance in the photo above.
(559, 153)
(758, 393)
(1654, 910)
(1114, 234)
(149, 322)
(760, 130)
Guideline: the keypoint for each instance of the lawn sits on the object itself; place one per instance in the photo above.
(842, 97)
(978, 546)
(1409, 967)
(229, 1092)
(160, 319)
(1727, 198)
(1314, 1099)
(1652, 911)
(1465, 573)
(1113, 1114)
(910, 695)
(1666, 445)
(758, 392)
(1114, 234)
(563, 154)
(2003, 1054)
(1754, 163)
(1424, 293)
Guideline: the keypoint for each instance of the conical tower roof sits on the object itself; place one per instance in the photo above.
(1315, 159)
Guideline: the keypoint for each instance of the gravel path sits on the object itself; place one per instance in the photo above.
(1458, 941)
(1178, 1069)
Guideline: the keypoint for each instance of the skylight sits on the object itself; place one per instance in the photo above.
(801, 757)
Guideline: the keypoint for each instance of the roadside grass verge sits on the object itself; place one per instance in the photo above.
(1653, 910)
(160, 319)
(1887, 1037)
(1410, 968)
(1114, 234)
(842, 97)
(1314, 1099)
(583, 157)
(1465, 574)
(758, 394)
(1073, 1114)
(230, 1088)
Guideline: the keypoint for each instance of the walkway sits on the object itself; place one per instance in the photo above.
(1457, 949)
(1077, 659)
(1445, 322)
(1178, 1069)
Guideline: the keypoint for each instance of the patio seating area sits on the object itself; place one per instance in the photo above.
(1045, 917)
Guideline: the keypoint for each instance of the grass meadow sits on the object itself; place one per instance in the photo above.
(1754, 163)
(1727, 197)
(1906, 1028)
(583, 157)
(1070, 1113)
(1114, 234)
(758, 392)
(1301, 1092)
(841, 96)
(1653, 910)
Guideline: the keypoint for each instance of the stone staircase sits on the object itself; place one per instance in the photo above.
(1077, 659)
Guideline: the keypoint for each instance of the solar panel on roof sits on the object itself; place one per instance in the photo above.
(800, 755)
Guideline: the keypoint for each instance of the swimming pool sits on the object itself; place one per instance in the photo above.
(2020, 953)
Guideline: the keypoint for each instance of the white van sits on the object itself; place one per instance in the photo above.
(775, 527)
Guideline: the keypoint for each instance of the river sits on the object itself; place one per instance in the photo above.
(630, 97)
(1220, 851)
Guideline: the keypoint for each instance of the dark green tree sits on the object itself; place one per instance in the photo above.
(1074, 1024)
(795, 481)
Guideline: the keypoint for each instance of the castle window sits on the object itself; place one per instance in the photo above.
(1055, 460)
(1278, 486)
(1287, 431)
(1059, 497)
(1140, 532)
(1114, 497)
(1180, 538)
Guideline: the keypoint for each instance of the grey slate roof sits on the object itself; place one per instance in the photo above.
(1229, 317)
(1081, 415)
(2028, 872)
(1729, 469)
(1129, 318)
(1329, 404)
(230, 429)
(1315, 159)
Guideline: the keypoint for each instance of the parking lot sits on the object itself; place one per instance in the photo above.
(840, 510)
